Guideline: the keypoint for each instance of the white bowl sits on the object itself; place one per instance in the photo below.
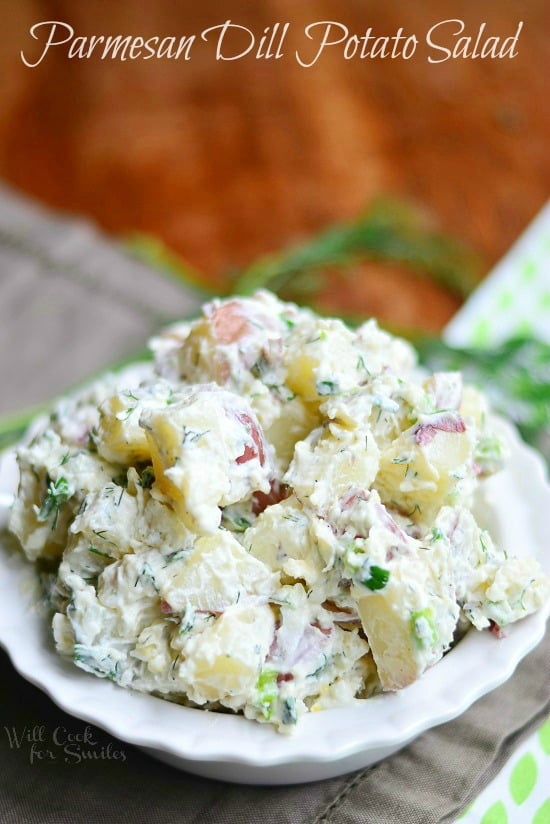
(325, 744)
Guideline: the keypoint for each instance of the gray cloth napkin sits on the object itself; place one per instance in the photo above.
(70, 303)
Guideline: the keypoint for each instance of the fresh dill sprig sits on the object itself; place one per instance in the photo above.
(389, 231)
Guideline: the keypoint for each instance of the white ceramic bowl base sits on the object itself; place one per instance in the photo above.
(325, 744)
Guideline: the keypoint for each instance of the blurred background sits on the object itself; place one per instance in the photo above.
(225, 162)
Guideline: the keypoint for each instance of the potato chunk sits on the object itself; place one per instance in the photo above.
(208, 451)
(428, 466)
(225, 659)
(216, 573)
(120, 438)
(328, 464)
(409, 614)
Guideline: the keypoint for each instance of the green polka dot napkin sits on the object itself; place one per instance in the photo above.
(520, 793)
(515, 298)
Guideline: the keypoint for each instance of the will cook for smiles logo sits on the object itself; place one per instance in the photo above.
(59, 744)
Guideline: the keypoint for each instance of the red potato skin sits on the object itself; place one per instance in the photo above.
(229, 324)
(257, 449)
(278, 492)
(448, 422)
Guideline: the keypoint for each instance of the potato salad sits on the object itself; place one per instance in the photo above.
(272, 517)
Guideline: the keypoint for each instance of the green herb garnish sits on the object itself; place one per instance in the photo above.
(390, 231)
(177, 555)
(515, 376)
(423, 628)
(235, 522)
(121, 480)
(93, 661)
(146, 573)
(100, 533)
(97, 551)
(326, 388)
(288, 712)
(58, 493)
(147, 478)
(378, 578)
(267, 692)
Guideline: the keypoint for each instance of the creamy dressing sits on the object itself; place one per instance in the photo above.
(272, 518)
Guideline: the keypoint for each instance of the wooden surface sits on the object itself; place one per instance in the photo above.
(228, 160)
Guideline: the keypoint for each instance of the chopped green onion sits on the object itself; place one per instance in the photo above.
(326, 388)
(423, 628)
(267, 692)
(378, 579)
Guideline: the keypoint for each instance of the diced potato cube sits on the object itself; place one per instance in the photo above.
(43, 507)
(281, 537)
(473, 405)
(215, 574)
(130, 589)
(119, 437)
(321, 360)
(516, 588)
(208, 451)
(301, 376)
(428, 466)
(107, 519)
(224, 344)
(295, 421)
(409, 616)
(225, 659)
(327, 465)
(153, 647)
(63, 634)
(489, 585)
